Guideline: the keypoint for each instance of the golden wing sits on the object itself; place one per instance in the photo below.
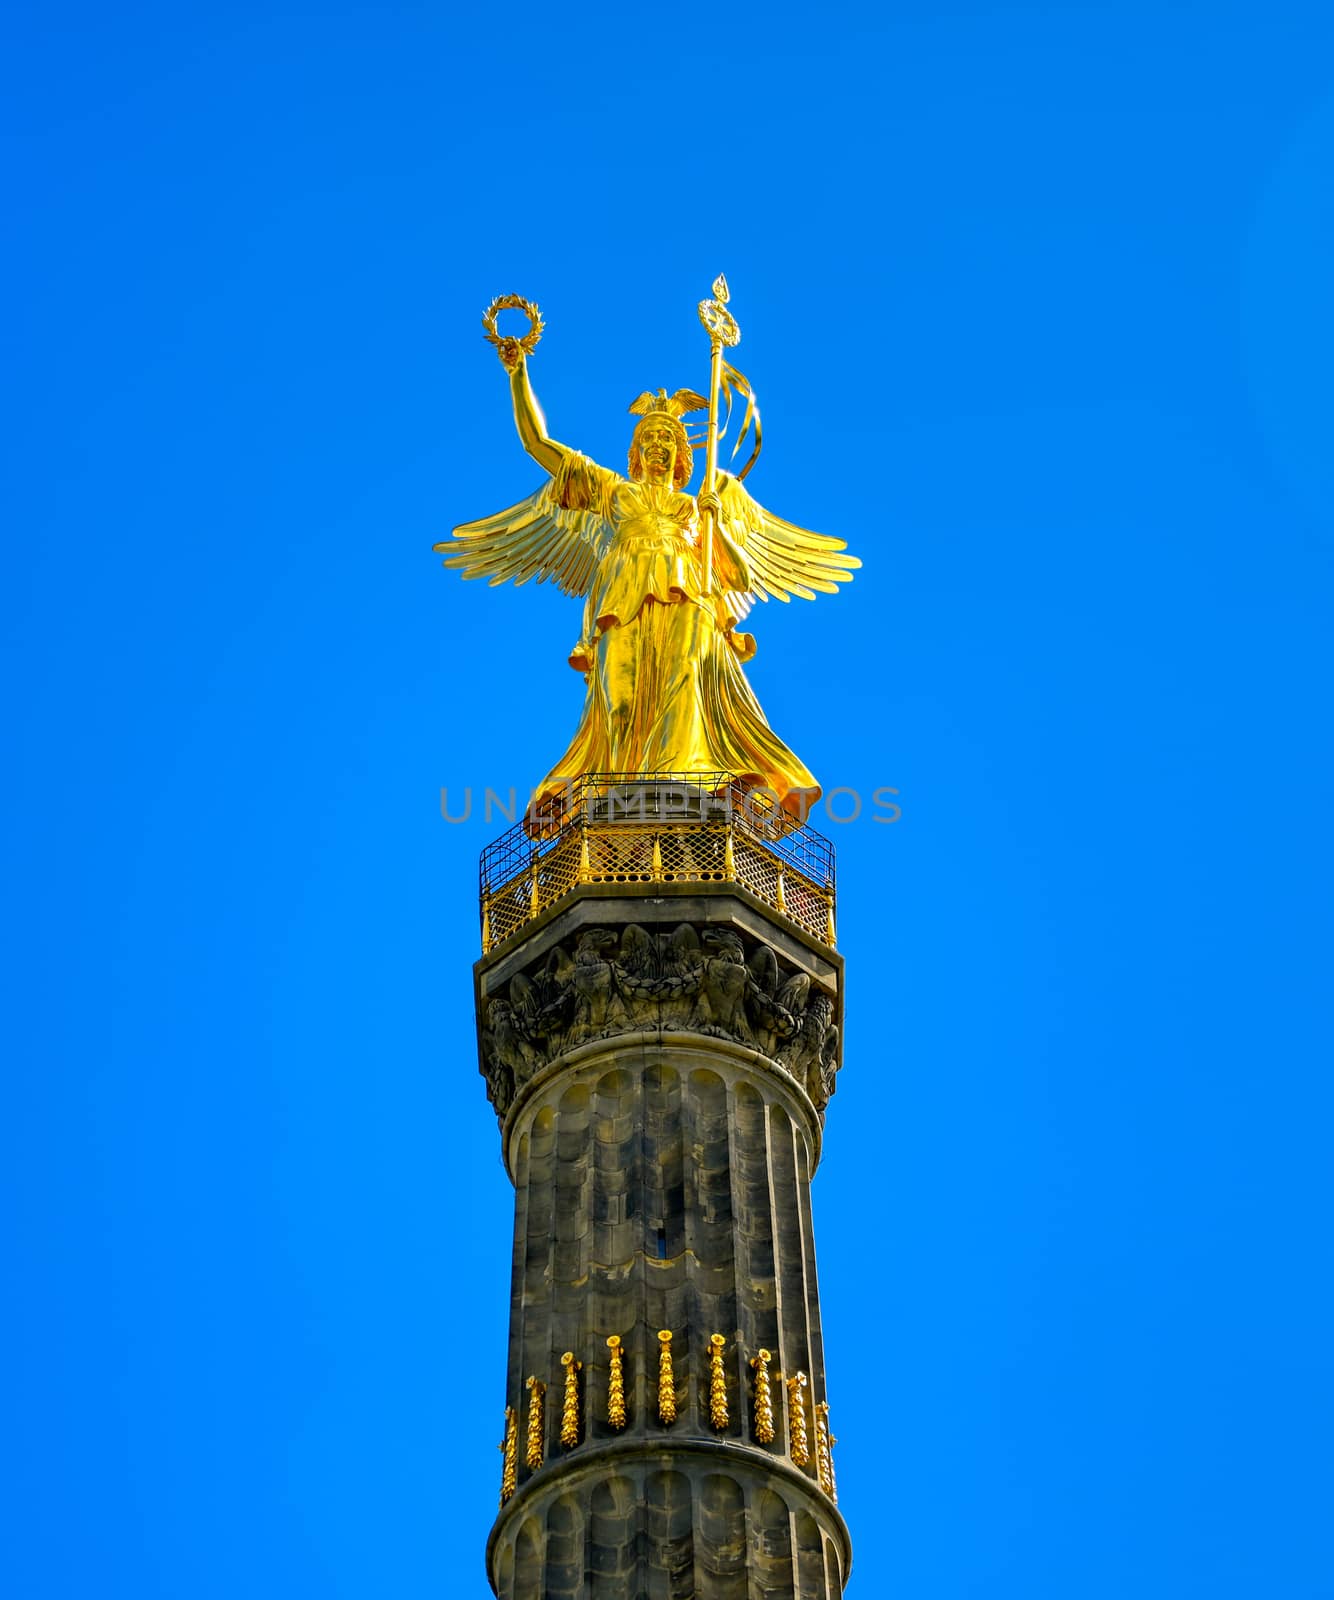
(535, 539)
(778, 559)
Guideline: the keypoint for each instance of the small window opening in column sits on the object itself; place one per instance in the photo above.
(662, 1244)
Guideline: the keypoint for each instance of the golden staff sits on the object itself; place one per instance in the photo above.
(722, 329)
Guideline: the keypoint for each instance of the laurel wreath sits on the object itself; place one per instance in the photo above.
(719, 321)
(513, 302)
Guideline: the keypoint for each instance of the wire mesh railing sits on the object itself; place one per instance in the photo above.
(657, 828)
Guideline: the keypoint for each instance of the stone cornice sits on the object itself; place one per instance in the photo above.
(707, 964)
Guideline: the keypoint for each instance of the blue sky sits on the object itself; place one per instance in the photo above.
(1037, 301)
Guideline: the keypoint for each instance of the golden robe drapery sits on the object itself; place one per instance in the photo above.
(662, 662)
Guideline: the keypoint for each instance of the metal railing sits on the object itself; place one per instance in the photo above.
(657, 828)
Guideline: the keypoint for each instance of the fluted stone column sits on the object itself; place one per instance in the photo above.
(660, 1062)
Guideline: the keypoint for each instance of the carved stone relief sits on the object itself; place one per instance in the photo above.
(709, 981)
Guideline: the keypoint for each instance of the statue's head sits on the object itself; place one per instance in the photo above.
(660, 450)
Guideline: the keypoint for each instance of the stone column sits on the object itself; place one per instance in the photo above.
(660, 1060)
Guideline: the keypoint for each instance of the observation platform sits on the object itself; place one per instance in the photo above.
(648, 828)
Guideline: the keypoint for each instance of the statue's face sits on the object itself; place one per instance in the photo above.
(657, 450)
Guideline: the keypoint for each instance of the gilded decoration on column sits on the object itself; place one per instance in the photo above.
(665, 576)
(569, 1416)
(615, 1383)
(536, 1396)
(798, 1441)
(824, 1450)
(717, 1383)
(509, 1474)
(764, 1403)
(666, 1379)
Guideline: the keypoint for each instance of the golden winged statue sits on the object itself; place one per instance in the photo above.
(666, 577)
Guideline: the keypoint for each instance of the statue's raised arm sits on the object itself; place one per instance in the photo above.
(666, 579)
(528, 418)
(555, 535)
(514, 351)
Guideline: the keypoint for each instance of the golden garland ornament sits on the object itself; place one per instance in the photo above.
(569, 1417)
(798, 1440)
(824, 1452)
(509, 1475)
(764, 1404)
(666, 1379)
(717, 1382)
(616, 1383)
(822, 1463)
(533, 1453)
(506, 344)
